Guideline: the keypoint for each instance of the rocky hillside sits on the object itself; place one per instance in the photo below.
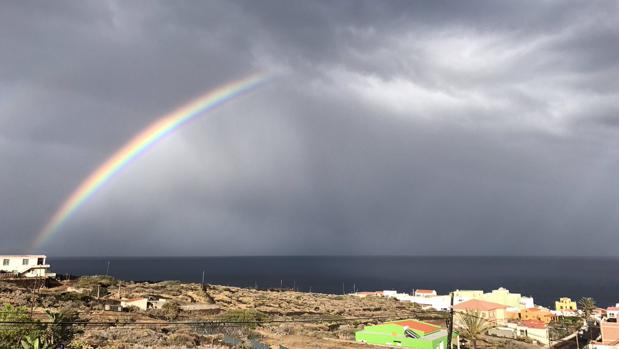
(295, 319)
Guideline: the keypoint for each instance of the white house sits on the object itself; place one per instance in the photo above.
(436, 302)
(425, 293)
(143, 303)
(140, 303)
(33, 266)
(612, 312)
(527, 302)
(532, 329)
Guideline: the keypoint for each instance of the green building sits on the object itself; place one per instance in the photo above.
(407, 334)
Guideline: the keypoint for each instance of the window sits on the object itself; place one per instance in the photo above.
(5, 261)
(410, 334)
(40, 261)
(25, 261)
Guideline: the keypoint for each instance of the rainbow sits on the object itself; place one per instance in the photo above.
(139, 144)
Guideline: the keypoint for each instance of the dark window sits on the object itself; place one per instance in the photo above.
(410, 334)
(40, 261)
(25, 261)
(5, 261)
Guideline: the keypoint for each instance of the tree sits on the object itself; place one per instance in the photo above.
(472, 326)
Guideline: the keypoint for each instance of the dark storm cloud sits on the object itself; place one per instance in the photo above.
(403, 127)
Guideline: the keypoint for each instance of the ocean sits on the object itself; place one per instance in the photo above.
(544, 278)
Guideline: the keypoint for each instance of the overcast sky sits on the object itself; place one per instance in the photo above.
(389, 127)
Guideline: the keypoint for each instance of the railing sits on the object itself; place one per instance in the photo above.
(9, 276)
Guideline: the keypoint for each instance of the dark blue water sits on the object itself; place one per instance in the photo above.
(546, 279)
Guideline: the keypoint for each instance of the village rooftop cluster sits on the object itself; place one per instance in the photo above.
(510, 315)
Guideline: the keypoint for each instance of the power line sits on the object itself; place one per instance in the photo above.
(120, 322)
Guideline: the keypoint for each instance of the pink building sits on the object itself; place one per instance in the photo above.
(610, 335)
(493, 312)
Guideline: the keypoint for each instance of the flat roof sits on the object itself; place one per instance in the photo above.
(477, 304)
(23, 256)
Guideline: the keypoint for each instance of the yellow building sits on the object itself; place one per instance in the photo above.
(503, 296)
(565, 303)
(500, 296)
(464, 295)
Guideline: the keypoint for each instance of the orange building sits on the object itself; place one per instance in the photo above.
(512, 314)
(538, 314)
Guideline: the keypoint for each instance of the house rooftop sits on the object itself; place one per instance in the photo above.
(419, 326)
(537, 309)
(533, 324)
(436, 335)
(476, 304)
(425, 291)
(134, 299)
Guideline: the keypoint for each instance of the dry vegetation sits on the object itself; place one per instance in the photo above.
(338, 316)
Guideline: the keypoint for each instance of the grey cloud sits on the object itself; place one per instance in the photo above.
(389, 127)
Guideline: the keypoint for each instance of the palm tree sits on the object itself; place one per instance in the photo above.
(472, 326)
(587, 305)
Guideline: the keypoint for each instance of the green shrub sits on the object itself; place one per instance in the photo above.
(171, 310)
(80, 344)
(247, 317)
(73, 297)
(96, 280)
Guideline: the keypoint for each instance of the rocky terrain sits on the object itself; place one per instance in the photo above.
(197, 317)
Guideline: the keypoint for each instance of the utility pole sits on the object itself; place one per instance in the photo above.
(343, 292)
(119, 290)
(107, 269)
(203, 274)
(450, 325)
(33, 297)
